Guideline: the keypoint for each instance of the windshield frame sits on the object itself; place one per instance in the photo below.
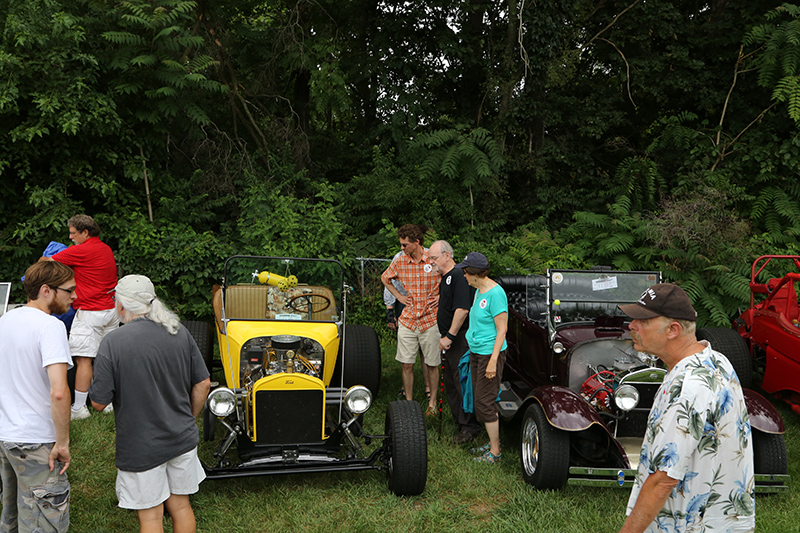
(585, 295)
(244, 270)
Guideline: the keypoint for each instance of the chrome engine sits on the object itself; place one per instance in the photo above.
(601, 368)
(265, 356)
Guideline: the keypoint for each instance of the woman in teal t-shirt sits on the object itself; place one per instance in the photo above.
(486, 336)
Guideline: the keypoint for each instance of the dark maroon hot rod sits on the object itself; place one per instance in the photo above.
(582, 391)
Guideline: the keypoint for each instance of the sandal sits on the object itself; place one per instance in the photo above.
(428, 394)
(482, 449)
(401, 395)
(488, 457)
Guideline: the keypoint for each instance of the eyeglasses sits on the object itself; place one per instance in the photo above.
(70, 290)
(434, 257)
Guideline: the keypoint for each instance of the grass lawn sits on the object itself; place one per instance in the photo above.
(461, 496)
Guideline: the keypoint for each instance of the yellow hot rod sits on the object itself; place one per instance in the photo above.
(299, 380)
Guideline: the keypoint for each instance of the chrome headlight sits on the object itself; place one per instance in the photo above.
(558, 348)
(626, 397)
(358, 399)
(221, 402)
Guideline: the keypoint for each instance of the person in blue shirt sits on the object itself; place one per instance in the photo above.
(486, 337)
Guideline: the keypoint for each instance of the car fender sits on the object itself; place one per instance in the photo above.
(565, 409)
(763, 415)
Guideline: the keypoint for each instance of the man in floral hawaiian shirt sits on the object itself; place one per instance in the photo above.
(696, 465)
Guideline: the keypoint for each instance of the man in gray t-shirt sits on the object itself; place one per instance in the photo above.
(153, 373)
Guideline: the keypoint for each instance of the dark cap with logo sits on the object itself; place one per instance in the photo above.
(664, 299)
(474, 260)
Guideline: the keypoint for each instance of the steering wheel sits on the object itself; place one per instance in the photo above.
(310, 306)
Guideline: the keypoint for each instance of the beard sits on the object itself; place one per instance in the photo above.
(59, 308)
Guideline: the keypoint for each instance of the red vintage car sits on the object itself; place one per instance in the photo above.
(583, 393)
(770, 327)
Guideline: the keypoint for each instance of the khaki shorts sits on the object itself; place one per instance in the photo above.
(144, 490)
(88, 329)
(408, 341)
(33, 497)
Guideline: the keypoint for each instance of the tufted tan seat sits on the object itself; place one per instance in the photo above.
(263, 301)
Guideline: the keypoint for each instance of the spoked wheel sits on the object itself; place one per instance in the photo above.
(544, 451)
(408, 446)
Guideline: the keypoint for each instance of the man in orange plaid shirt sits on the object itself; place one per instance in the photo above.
(417, 326)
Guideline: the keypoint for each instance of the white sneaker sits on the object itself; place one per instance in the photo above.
(108, 408)
(80, 414)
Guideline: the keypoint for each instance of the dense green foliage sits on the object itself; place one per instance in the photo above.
(635, 134)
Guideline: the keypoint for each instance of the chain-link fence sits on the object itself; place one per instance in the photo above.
(365, 302)
(365, 279)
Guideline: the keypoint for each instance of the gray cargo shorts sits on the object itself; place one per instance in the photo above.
(43, 503)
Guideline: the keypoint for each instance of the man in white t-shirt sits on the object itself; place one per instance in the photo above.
(35, 404)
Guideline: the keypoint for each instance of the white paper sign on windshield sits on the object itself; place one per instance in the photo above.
(603, 284)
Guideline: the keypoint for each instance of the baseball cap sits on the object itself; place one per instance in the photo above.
(474, 260)
(137, 288)
(663, 299)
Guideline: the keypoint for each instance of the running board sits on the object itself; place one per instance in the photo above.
(623, 477)
(508, 403)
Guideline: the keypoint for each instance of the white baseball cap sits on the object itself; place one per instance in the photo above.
(137, 288)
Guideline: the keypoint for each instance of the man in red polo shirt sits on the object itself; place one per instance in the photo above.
(417, 326)
(95, 275)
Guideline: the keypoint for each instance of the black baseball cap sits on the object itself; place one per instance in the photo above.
(474, 260)
(663, 299)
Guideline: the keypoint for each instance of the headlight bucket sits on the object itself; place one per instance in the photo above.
(626, 397)
(221, 402)
(358, 399)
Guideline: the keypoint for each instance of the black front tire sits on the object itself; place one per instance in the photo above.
(408, 446)
(209, 425)
(769, 453)
(203, 335)
(362, 359)
(729, 343)
(544, 451)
